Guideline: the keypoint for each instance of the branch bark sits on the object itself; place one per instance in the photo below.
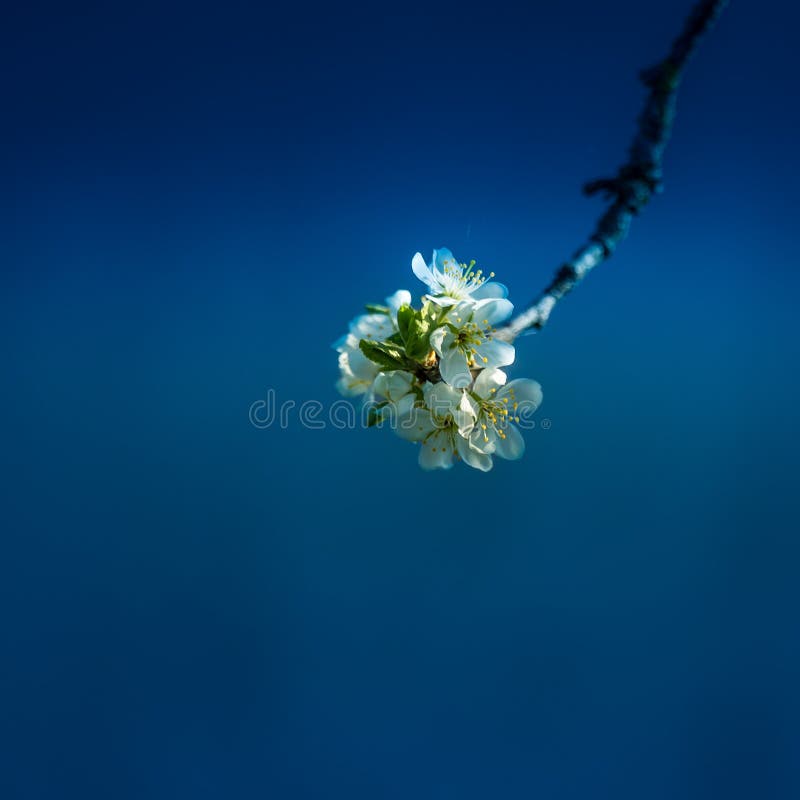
(636, 180)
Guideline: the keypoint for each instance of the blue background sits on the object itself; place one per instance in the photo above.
(195, 201)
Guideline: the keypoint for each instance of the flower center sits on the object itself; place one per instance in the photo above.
(497, 414)
(470, 336)
(460, 280)
(446, 427)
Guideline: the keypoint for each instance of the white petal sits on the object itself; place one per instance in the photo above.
(412, 424)
(465, 415)
(453, 368)
(483, 440)
(442, 258)
(472, 457)
(379, 384)
(360, 365)
(442, 300)
(525, 391)
(492, 312)
(490, 289)
(344, 362)
(437, 452)
(400, 410)
(465, 421)
(350, 386)
(404, 406)
(468, 405)
(440, 339)
(494, 353)
(372, 326)
(346, 342)
(512, 446)
(393, 385)
(462, 313)
(441, 399)
(421, 269)
(487, 380)
(401, 297)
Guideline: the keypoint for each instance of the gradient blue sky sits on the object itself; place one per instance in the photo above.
(195, 201)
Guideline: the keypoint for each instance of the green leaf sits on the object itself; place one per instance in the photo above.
(405, 316)
(418, 338)
(375, 309)
(386, 355)
(432, 311)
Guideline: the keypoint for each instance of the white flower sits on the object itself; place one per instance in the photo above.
(357, 372)
(473, 346)
(442, 426)
(435, 377)
(498, 406)
(376, 326)
(392, 393)
(392, 386)
(449, 282)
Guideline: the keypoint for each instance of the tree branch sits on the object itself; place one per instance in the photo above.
(635, 181)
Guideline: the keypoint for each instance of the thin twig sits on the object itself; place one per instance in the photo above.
(635, 181)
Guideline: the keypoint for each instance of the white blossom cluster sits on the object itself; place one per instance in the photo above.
(434, 372)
